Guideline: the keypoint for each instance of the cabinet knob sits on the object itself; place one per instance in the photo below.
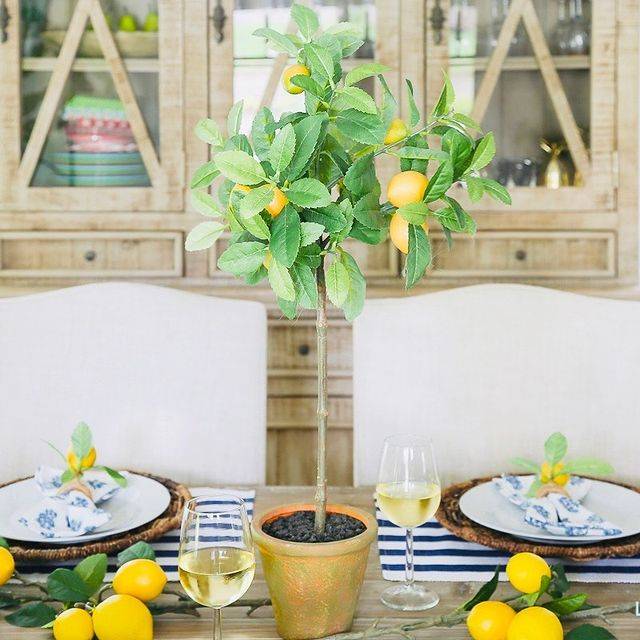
(304, 349)
(5, 17)
(521, 255)
(219, 18)
(90, 255)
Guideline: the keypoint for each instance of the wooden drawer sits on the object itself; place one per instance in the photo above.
(80, 254)
(527, 254)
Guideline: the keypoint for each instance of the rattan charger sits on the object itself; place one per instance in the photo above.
(450, 516)
(165, 522)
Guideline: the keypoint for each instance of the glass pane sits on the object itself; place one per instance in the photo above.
(521, 114)
(254, 61)
(90, 142)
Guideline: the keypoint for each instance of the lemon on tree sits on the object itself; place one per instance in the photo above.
(399, 232)
(122, 617)
(490, 620)
(73, 624)
(407, 187)
(397, 131)
(277, 204)
(535, 623)
(290, 72)
(141, 578)
(7, 565)
(526, 570)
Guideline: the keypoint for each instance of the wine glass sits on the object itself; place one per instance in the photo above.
(216, 561)
(408, 494)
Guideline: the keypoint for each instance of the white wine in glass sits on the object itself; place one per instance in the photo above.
(216, 562)
(408, 494)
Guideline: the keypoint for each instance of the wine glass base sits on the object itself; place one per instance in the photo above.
(409, 597)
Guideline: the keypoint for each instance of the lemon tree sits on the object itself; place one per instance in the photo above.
(294, 189)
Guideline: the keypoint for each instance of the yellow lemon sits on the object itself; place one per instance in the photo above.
(535, 623)
(490, 620)
(86, 463)
(73, 624)
(397, 131)
(562, 479)
(406, 187)
(141, 578)
(122, 617)
(277, 204)
(525, 571)
(7, 565)
(289, 72)
(399, 232)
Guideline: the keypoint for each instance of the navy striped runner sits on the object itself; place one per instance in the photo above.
(441, 556)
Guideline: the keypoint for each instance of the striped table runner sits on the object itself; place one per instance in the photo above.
(166, 547)
(441, 556)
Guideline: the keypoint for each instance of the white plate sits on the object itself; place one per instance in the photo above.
(142, 500)
(484, 504)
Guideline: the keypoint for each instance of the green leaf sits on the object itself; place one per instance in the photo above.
(354, 98)
(448, 219)
(285, 236)
(459, 147)
(288, 307)
(559, 583)
(466, 121)
(139, 550)
(338, 280)
(257, 227)
(234, 119)
(277, 41)
(361, 176)
(66, 586)
(475, 188)
(439, 183)
(446, 99)
(589, 466)
(330, 217)
(115, 475)
(309, 132)
(389, 104)
(483, 153)
(81, 440)
(204, 176)
(495, 190)
(483, 594)
(308, 192)
(466, 222)
(310, 85)
(34, 614)
(415, 212)
(204, 204)
(259, 136)
(533, 489)
(555, 448)
(417, 153)
(282, 148)
(589, 632)
(352, 306)
(419, 256)
(305, 285)
(310, 232)
(240, 167)
(414, 112)
(527, 465)
(208, 131)
(320, 61)
(8, 602)
(239, 142)
(306, 19)
(242, 258)
(363, 71)
(4, 544)
(281, 282)
(361, 127)
(67, 476)
(530, 599)
(203, 236)
(350, 43)
(367, 212)
(254, 201)
(566, 605)
(92, 571)
(367, 235)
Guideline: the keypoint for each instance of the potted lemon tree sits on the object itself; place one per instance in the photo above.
(292, 191)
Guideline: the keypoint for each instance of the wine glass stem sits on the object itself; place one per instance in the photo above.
(217, 624)
(408, 567)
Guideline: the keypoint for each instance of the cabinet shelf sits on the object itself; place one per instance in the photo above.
(135, 65)
(522, 63)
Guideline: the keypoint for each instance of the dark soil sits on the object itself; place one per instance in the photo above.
(298, 527)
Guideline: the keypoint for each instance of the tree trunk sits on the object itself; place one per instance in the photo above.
(321, 467)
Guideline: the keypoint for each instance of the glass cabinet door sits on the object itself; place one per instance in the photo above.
(540, 75)
(96, 92)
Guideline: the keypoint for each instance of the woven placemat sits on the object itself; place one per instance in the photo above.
(167, 521)
(450, 516)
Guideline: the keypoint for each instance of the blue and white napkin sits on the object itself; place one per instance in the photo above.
(556, 513)
(69, 514)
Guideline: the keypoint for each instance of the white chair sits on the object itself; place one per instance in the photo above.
(490, 371)
(170, 382)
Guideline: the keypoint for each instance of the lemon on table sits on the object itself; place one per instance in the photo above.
(525, 571)
(7, 565)
(73, 624)
(141, 578)
(86, 463)
(490, 620)
(535, 623)
(122, 617)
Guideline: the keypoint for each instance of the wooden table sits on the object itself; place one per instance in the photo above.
(260, 625)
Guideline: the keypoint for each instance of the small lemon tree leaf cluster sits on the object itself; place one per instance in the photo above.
(295, 189)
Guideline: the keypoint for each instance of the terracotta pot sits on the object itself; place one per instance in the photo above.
(314, 587)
